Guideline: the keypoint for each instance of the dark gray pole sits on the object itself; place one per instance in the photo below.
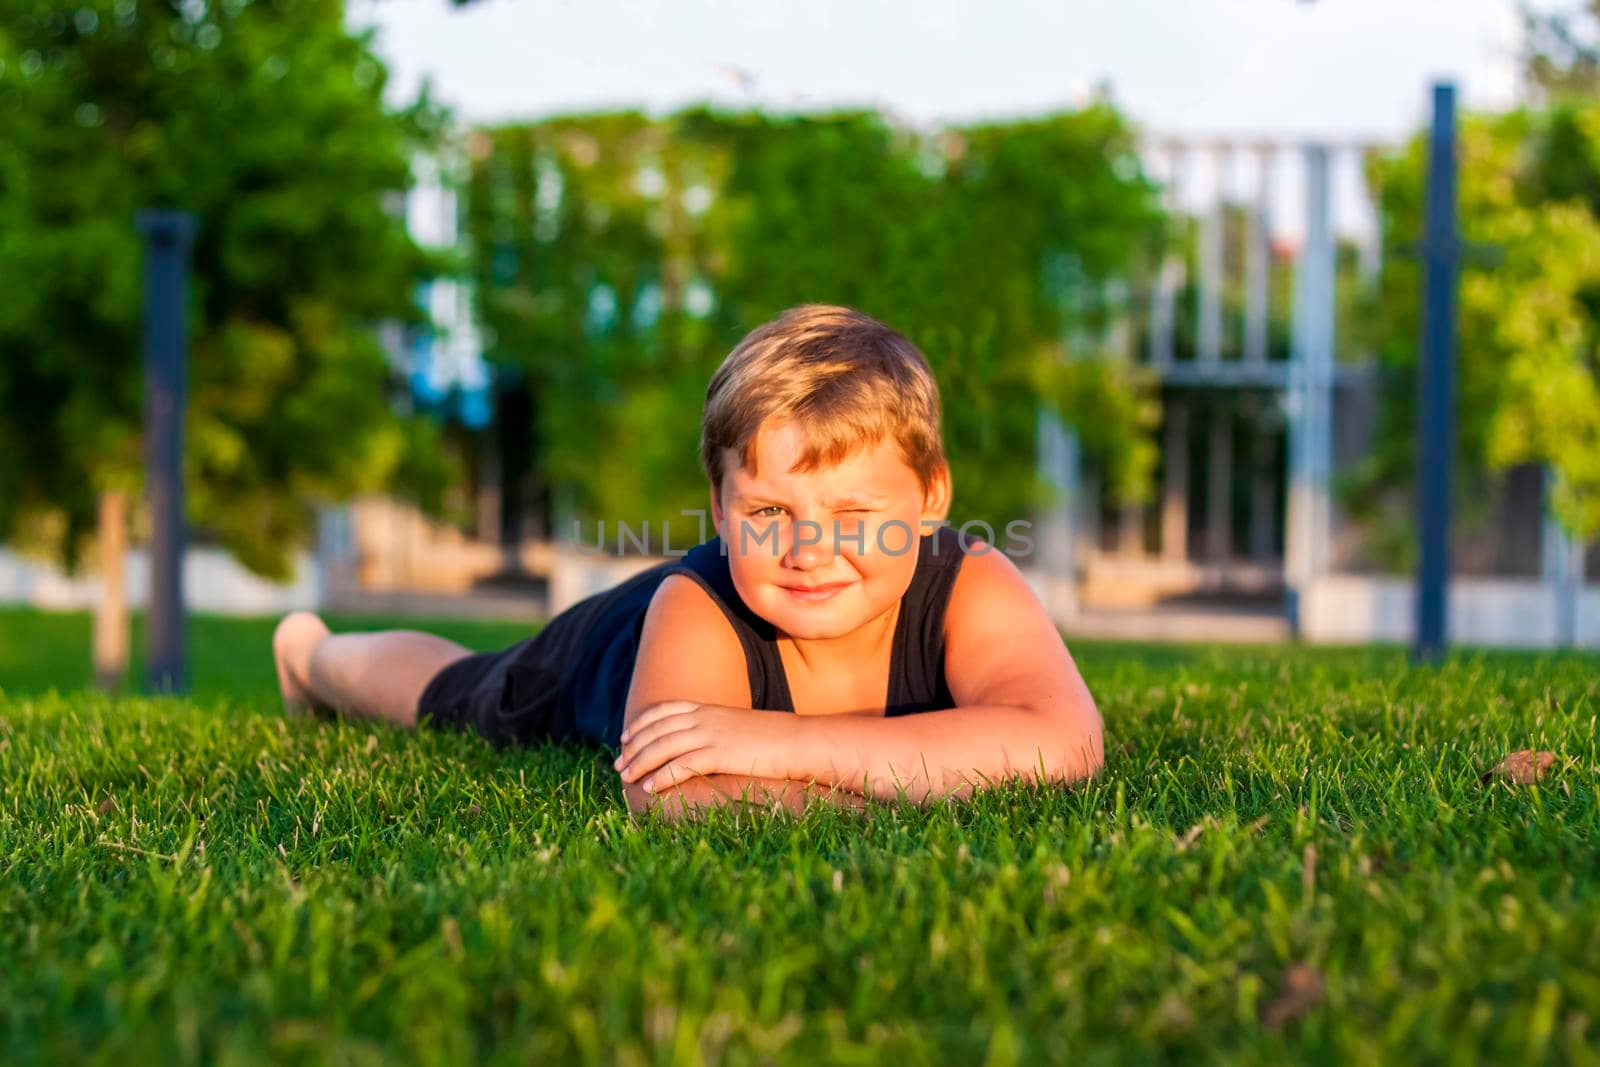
(167, 235)
(1436, 426)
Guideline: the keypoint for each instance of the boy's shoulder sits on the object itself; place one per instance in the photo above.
(1001, 645)
(682, 615)
(989, 587)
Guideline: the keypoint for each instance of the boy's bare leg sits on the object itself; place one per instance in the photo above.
(370, 675)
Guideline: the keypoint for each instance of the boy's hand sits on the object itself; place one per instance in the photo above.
(679, 739)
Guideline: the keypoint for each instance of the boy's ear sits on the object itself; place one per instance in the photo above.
(936, 501)
(716, 510)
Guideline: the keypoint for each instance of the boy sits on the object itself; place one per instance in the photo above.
(913, 664)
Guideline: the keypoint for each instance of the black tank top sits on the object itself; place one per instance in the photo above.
(591, 647)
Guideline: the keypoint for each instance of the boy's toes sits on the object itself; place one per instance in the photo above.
(292, 643)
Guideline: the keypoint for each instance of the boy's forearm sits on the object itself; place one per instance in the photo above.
(946, 753)
(694, 796)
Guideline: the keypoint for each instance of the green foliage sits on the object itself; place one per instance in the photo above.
(266, 119)
(1529, 364)
(620, 257)
(201, 881)
(1561, 53)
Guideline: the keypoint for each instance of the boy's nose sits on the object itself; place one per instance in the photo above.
(807, 546)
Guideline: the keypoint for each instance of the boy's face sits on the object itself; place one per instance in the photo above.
(851, 529)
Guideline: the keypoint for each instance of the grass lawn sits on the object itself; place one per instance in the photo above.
(1290, 855)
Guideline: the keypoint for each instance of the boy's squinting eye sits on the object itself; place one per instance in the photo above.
(843, 511)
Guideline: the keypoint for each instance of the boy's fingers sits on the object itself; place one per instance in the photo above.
(652, 762)
(660, 751)
(653, 732)
(656, 712)
(674, 773)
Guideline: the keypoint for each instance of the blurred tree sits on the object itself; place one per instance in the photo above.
(1530, 320)
(1529, 387)
(266, 119)
(619, 258)
(1529, 365)
(1561, 53)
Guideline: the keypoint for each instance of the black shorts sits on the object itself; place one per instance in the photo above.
(510, 697)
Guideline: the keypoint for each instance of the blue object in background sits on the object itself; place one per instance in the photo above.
(1436, 424)
(167, 239)
(468, 402)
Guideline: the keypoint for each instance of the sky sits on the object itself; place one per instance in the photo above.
(1288, 68)
(1348, 70)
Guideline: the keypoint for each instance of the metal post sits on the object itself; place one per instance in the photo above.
(1561, 565)
(1169, 276)
(513, 415)
(1175, 483)
(1130, 531)
(1263, 494)
(1208, 294)
(1060, 467)
(167, 236)
(336, 559)
(1219, 483)
(1090, 520)
(1310, 394)
(1440, 265)
(1258, 253)
(1371, 253)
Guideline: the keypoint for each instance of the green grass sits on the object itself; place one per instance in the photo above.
(198, 879)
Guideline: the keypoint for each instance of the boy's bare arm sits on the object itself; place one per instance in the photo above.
(692, 797)
(949, 753)
(688, 650)
(1023, 710)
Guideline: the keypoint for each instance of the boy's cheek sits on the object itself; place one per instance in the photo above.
(753, 537)
(892, 537)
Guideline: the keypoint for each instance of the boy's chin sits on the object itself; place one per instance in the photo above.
(812, 625)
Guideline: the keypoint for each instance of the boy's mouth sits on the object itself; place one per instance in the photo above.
(814, 593)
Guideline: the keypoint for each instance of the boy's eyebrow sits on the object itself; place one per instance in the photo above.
(839, 501)
(857, 498)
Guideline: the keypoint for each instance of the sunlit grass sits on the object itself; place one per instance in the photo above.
(198, 879)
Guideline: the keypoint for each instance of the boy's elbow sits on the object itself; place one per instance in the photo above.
(637, 799)
(671, 804)
(684, 801)
(1080, 751)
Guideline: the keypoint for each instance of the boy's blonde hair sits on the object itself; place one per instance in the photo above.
(848, 380)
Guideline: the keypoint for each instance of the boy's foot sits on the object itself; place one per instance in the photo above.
(292, 643)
